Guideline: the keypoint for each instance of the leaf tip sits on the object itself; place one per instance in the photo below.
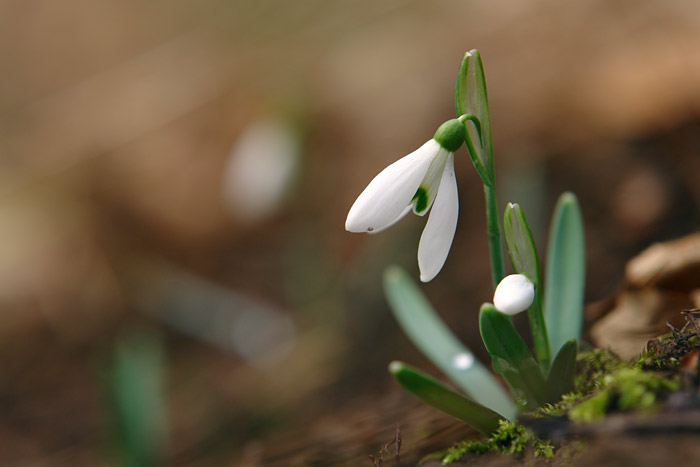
(396, 367)
(392, 273)
(568, 198)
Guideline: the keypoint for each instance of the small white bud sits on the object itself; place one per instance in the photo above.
(514, 294)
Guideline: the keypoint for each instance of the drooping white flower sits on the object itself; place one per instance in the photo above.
(260, 170)
(421, 180)
(514, 294)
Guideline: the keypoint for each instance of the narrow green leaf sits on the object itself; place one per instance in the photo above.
(566, 273)
(561, 377)
(510, 356)
(471, 98)
(523, 256)
(429, 333)
(521, 245)
(134, 382)
(438, 395)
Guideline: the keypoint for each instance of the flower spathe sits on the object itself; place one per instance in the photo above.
(421, 181)
(514, 294)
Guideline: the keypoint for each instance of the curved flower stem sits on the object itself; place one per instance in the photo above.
(487, 175)
(472, 118)
(484, 174)
(493, 231)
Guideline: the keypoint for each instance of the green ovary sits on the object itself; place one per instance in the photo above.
(421, 199)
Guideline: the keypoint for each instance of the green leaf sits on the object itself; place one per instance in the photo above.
(471, 98)
(523, 256)
(438, 395)
(561, 377)
(521, 246)
(510, 356)
(565, 274)
(429, 333)
(134, 382)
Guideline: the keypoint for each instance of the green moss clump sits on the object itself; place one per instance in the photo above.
(591, 368)
(593, 408)
(510, 438)
(623, 389)
(543, 448)
(604, 383)
(654, 361)
(559, 408)
(462, 448)
(664, 352)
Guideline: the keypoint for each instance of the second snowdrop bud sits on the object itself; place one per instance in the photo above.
(514, 294)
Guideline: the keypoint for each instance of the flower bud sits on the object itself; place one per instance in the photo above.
(514, 294)
(450, 135)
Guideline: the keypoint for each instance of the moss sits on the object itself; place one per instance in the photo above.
(510, 438)
(604, 383)
(559, 408)
(624, 389)
(462, 448)
(543, 448)
(591, 368)
(664, 352)
(591, 409)
(651, 360)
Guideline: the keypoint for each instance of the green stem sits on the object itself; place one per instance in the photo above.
(472, 118)
(493, 231)
(485, 176)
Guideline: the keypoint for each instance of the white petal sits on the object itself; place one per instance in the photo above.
(436, 240)
(431, 183)
(406, 210)
(260, 170)
(514, 294)
(387, 196)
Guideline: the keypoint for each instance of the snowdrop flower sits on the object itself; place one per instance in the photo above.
(260, 170)
(514, 294)
(421, 180)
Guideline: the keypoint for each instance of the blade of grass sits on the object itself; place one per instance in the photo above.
(438, 395)
(510, 356)
(565, 273)
(523, 256)
(429, 333)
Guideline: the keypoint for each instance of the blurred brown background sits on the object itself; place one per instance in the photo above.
(174, 180)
